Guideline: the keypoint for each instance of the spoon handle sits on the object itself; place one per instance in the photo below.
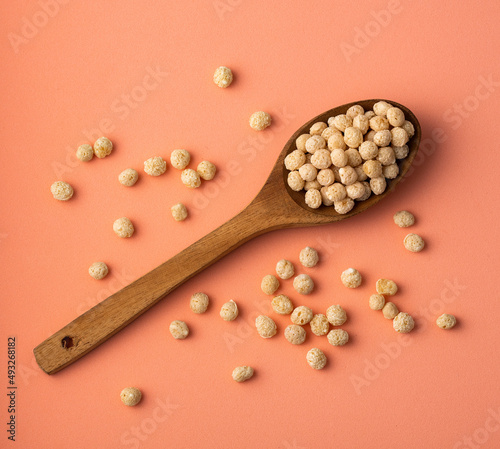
(107, 318)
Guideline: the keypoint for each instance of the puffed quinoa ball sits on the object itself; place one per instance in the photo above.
(446, 321)
(179, 212)
(351, 278)
(399, 137)
(401, 152)
(85, 152)
(390, 171)
(326, 177)
(310, 185)
(403, 323)
(336, 315)
(348, 175)
(61, 191)
(378, 185)
(386, 287)
(376, 302)
(223, 77)
(281, 304)
(339, 157)
(368, 150)
(316, 358)
(266, 327)
(269, 284)
(123, 227)
(379, 123)
(337, 337)
(242, 373)
(324, 197)
(180, 159)
(155, 166)
(395, 116)
(342, 121)
(414, 243)
(343, 206)
(409, 128)
(369, 114)
(300, 142)
(329, 132)
(260, 120)
(103, 147)
(308, 257)
(356, 190)
(229, 311)
(301, 315)
(382, 138)
(308, 172)
(368, 192)
(319, 325)
(361, 122)
(199, 302)
(390, 310)
(206, 170)
(353, 137)
(98, 270)
(285, 269)
(330, 122)
(355, 110)
(131, 396)
(373, 169)
(361, 173)
(321, 159)
(315, 143)
(295, 181)
(336, 141)
(317, 128)
(313, 198)
(128, 177)
(179, 329)
(353, 157)
(381, 108)
(190, 178)
(295, 334)
(303, 284)
(336, 192)
(295, 160)
(370, 135)
(386, 156)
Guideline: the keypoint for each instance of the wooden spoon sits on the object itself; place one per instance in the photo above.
(276, 206)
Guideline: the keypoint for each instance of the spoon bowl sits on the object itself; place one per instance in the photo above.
(276, 206)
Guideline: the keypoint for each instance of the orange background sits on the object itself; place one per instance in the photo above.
(85, 68)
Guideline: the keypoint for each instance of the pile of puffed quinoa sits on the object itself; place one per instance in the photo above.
(350, 157)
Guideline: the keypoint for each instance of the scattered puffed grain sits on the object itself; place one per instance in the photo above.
(98, 270)
(317, 128)
(179, 329)
(190, 178)
(338, 337)
(404, 219)
(308, 257)
(103, 147)
(386, 287)
(199, 302)
(376, 302)
(223, 77)
(206, 170)
(155, 166)
(295, 181)
(179, 212)
(285, 269)
(180, 159)
(229, 311)
(414, 243)
(85, 152)
(266, 327)
(316, 358)
(300, 142)
(281, 304)
(128, 177)
(260, 120)
(301, 315)
(351, 278)
(295, 160)
(313, 198)
(61, 191)
(403, 323)
(295, 334)
(131, 396)
(319, 325)
(123, 227)
(269, 284)
(343, 206)
(446, 321)
(390, 310)
(242, 373)
(303, 284)
(336, 315)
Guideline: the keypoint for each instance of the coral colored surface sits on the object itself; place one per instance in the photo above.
(141, 74)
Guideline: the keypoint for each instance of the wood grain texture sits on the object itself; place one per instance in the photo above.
(276, 206)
